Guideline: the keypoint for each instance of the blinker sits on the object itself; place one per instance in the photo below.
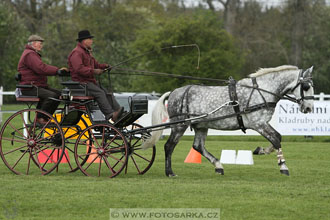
(305, 86)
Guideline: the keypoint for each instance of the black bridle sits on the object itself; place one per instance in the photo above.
(305, 84)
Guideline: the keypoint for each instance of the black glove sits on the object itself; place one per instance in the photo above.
(63, 71)
(108, 67)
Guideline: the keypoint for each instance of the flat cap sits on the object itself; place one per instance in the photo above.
(35, 38)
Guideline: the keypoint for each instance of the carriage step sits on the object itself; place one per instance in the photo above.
(50, 125)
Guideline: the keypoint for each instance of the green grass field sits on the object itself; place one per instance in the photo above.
(244, 192)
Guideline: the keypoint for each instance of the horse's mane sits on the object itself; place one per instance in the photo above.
(263, 71)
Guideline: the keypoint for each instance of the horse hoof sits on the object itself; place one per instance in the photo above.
(171, 175)
(219, 171)
(285, 172)
(259, 151)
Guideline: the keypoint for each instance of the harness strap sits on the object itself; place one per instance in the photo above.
(234, 99)
(282, 96)
(259, 106)
(245, 111)
(254, 87)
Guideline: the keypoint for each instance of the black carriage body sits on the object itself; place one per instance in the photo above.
(77, 98)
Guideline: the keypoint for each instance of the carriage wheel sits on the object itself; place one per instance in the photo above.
(23, 140)
(106, 150)
(71, 134)
(141, 159)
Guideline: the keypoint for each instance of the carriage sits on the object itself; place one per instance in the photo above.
(103, 149)
(76, 137)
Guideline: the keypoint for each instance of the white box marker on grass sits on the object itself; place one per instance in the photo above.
(228, 157)
(244, 157)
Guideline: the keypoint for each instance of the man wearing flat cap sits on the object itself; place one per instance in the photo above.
(84, 67)
(34, 72)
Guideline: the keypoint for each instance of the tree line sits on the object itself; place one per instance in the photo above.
(233, 40)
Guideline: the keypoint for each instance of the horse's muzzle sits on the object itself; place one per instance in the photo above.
(307, 110)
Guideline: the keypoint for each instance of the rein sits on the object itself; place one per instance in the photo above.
(304, 83)
(162, 74)
(283, 96)
(161, 49)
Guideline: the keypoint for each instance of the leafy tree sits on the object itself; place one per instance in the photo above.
(263, 35)
(294, 33)
(219, 56)
(114, 26)
(317, 47)
(12, 39)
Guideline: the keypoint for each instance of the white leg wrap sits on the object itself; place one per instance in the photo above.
(280, 157)
(218, 165)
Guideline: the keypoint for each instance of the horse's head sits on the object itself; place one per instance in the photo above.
(303, 90)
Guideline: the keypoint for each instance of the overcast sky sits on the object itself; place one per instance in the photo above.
(264, 2)
(218, 4)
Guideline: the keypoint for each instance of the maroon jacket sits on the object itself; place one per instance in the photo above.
(33, 70)
(82, 64)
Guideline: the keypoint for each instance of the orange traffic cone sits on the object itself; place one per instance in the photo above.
(65, 158)
(193, 157)
(46, 156)
(93, 154)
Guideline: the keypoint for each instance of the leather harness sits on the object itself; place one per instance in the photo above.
(305, 84)
(234, 99)
(247, 108)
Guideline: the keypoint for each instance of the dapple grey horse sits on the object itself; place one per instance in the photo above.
(256, 98)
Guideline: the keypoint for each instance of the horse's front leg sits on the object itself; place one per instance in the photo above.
(199, 145)
(275, 138)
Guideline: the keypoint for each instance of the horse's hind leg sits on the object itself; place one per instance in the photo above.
(199, 145)
(261, 150)
(275, 138)
(176, 134)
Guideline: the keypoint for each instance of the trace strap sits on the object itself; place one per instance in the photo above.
(234, 99)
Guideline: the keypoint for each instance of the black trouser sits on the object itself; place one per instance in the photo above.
(45, 104)
(106, 100)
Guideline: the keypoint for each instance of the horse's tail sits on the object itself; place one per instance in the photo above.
(159, 114)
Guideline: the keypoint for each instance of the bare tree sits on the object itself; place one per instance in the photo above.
(32, 11)
(210, 4)
(298, 29)
(231, 8)
(230, 13)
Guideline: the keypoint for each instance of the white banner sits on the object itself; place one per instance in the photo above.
(290, 121)
(287, 120)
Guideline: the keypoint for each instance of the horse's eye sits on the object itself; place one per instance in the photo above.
(305, 86)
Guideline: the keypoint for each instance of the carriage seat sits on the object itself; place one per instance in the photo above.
(24, 98)
(78, 91)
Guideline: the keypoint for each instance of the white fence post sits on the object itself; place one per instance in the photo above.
(1, 101)
(25, 114)
(321, 96)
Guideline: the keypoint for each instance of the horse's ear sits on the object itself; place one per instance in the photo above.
(308, 72)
